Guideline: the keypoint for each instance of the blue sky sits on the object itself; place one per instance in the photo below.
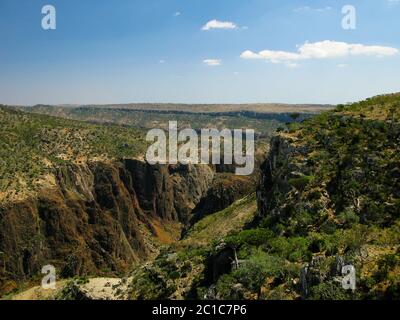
(124, 51)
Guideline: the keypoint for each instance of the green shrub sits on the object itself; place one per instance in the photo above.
(348, 218)
(385, 265)
(294, 249)
(150, 285)
(71, 291)
(226, 288)
(254, 271)
(328, 291)
(253, 237)
(302, 182)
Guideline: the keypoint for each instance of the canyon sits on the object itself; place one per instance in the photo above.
(324, 196)
(105, 218)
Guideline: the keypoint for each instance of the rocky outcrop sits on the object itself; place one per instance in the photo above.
(227, 187)
(324, 277)
(225, 190)
(89, 223)
(275, 174)
(170, 192)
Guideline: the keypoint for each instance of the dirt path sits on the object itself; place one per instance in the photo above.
(96, 289)
(38, 293)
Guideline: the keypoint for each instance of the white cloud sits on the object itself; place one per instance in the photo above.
(177, 14)
(291, 65)
(321, 50)
(215, 24)
(212, 62)
(310, 9)
(393, 3)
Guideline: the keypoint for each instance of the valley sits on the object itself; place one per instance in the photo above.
(84, 200)
(324, 195)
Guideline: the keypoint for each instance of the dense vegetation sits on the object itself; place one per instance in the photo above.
(333, 196)
(181, 270)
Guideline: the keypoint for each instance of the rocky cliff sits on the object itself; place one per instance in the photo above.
(89, 222)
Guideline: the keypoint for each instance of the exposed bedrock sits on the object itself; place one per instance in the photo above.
(89, 222)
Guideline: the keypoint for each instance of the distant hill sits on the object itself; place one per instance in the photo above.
(263, 118)
(206, 108)
(221, 108)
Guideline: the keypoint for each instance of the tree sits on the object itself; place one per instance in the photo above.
(253, 273)
(295, 116)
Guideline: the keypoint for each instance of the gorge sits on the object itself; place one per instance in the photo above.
(116, 227)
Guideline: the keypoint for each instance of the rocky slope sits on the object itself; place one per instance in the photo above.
(89, 222)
